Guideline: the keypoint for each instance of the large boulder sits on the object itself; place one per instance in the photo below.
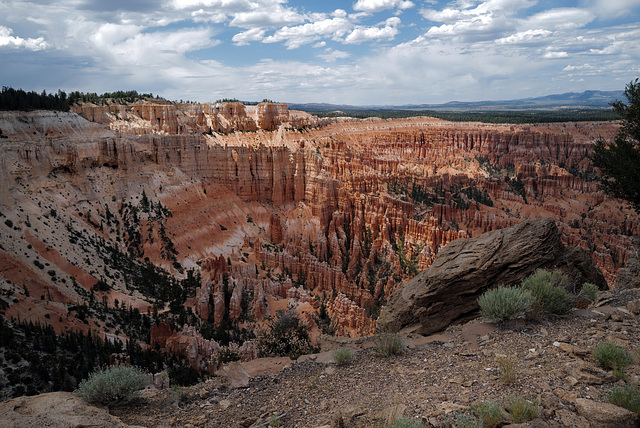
(56, 409)
(629, 276)
(448, 291)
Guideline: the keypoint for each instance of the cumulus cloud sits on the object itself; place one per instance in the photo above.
(371, 6)
(488, 20)
(246, 37)
(560, 19)
(124, 45)
(555, 54)
(267, 18)
(238, 5)
(525, 37)
(7, 40)
(294, 37)
(362, 34)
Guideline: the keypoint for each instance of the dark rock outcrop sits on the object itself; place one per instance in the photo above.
(448, 291)
(629, 276)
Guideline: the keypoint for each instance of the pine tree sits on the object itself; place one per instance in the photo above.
(619, 160)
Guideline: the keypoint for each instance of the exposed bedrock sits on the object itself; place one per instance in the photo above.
(448, 291)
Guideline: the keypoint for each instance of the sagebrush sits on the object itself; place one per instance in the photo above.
(539, 294)
(627, 396)
(612, 357)
(113, 385)
(488, 412)
(342, 356)
(590, 291)
(387, 344)
(504, 303)
(522, 410)
(549, 293)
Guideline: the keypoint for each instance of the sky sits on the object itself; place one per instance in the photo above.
(358, 52)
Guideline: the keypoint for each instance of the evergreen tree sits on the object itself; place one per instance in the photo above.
(619, 160)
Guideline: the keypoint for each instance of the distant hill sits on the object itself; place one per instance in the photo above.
(568, 100)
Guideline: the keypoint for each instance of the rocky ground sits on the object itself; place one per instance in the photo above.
(437, 377)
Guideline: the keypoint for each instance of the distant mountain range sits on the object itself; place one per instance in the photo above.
(568, 100)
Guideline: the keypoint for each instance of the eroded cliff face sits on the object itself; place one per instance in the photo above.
(329, 220)
(176, 118)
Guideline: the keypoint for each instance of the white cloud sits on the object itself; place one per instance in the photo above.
(123, 45)
(560, 19)
(213, 17)
(7, 40)
(224, 4)
(577, 67)
(252, 35)
(488, 20)
(555, 54)
(371, 6)
(529, 36)
(366, 34)
(613, 8)
(294, 37)
(478, 27)
(267, 18)
(362, 34)
(331, 55)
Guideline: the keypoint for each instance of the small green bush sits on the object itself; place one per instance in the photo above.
(503, 303)
(405, 422)
(489, 412)
(387, 344)
(548, 292)
(342, 356)
(522, 410)
(461, 420)
(112, 385)
(590, 290)
(613, 357)
(627, 396)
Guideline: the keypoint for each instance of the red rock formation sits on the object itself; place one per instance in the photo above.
(350, 209)
(275, 229)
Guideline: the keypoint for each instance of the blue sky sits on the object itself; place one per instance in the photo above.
(361, 52)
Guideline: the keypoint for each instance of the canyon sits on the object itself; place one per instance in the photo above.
(210, 218)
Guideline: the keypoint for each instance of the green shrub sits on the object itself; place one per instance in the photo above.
(522, 410)
(627, 396)
(548, 292)
(590, 290)
(613, 357)
(503, 303)
(387, 344)
(286, 336)
(489, 412)
(112, 385)
(461, 420)
(342, 356)
(405, 422)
